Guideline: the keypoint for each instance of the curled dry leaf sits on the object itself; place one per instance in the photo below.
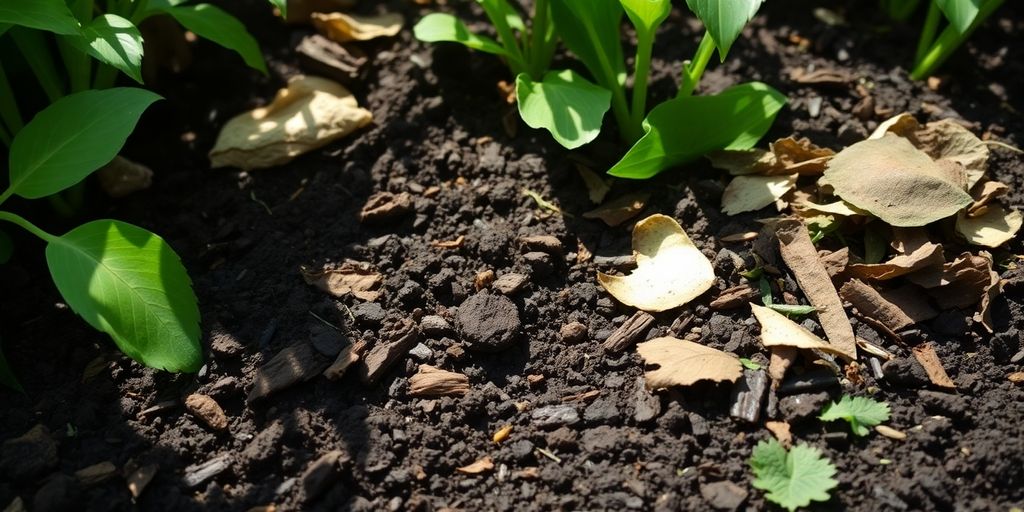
(872, 304)
(841, 208)
(670, 270)
(749, 193)
(743, 161)
(960, 283)
(207, 410)
(800, 156)
(349, 27)
(927, 255)
(779, 331)
(597, 187)
(735, 296)
(925, 354)
(835, 262)
(306, 115)
(941, 140)
(355, 279)
(682, 363)
(385, 206)
(912, 301)
(992, 290)
(433, 382)
(991, 228)
(620, 210)
(897, 182)
(480, 466)
(983, 194)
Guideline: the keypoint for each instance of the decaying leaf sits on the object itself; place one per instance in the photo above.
(735, 297)
(433, 382)
(872, 304)
(358, 280)
(841, 208)
(480, 466)
(948, 140)
(912, 301)
(308, 114)
(779, 331)
(925, 354)
(743, 161)
(800, 156)
(835, 262)
(597, 187)
(780, 429)
(343, 27)
(992, 228)
(384, 206)
(670, 270)
(992, 290)
(927, 255)
(984, 193)
(779, 362)
(620, 210)
(348, 356)
(682, 363)
(749, 193)
(897, 182)
(904, 125)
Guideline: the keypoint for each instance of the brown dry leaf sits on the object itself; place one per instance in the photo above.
(925, 354)
(835, 262)
(928, 255)
(682, 363)
(800, 156)
(948, 140)
(905, 125)
(348, 356)
(743, 161)
(620, 210)
(802, 259)
(597, 188)
(502, 434)
(382, 207)
(779, 331)
(912, 301)
(780, 429)
(991, 228)
(735, 297)
(750, 193)
(871, 304)
(908, 240)
(306, 115)
(983, 194)
(897, 182)
(206, 409)
(300, 10)
(480, 466)
(350, 27)
(992, 290)
(349, 278)
(670, 270)
(781, 359)
(433, 382)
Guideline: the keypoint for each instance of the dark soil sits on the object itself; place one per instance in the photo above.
(440, 121)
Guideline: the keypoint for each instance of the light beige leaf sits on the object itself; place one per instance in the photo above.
(904, 125)
(779, 331)
(349, 27)
(480, 466)
(927, 255)
(743, 161)
(597, 187)
(749, 193)
(308, 114)
(993, 228)
(983, 194)
(670, 270)
(620, 209)
(357, 280)
(948, 140)
(897, 182)
(992, 290)
(682, 363)
(841, 208)
(800, 156)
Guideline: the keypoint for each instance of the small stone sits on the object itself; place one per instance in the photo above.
(328, 341)
(540, 263)
(723, 495)
(509, 284)
(225, 345)
(483, 279)
(207, 410)
(564, 439)
(421, 352)
(698, 426)
(555, 416)
(748, 395)
(573, 332)
(543, 243)
(434, 325)
(890, 432)
(488, 323)
(1018, 357)
(198, 474)
(521, 450)
(368, 313)
(60, 493)
(647, 406)
(30, 455)
(322, 474)
(601, 411)
(297, 363)
(797, 408)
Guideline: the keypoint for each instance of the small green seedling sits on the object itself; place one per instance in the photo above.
(789, 310)
(963, 17)
(749, 364)
(793, 478)
(860, 412)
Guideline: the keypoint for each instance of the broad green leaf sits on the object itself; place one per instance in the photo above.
(437, 27)
(72, 138)
(7, 377)
(795, 478)
(501, 9)
(682, 129)
(282, 6)
(210, 22)
(116, 41)
(646, 15)
(50, 15)
(590, 29)
(4, 27)
(128, 283)
(724, 19)
(861, 412)
(960, 13)
(565, 104)
(6, 247)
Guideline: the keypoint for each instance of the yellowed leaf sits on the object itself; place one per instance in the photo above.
(904, 125)
(343, 27)
(749, 193)
(779, 331)
(993, 228)
(682, 363)
(480, 466)
(841, 208)
(308, 114)
(670, 270)
(984, 193)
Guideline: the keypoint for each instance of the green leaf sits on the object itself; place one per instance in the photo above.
(113, 40)
(6, 247)
(565, 104)
(50, 15)
(503, 9)
(682, 129)
(7, 377)
(860, 412)
(793, 310)
(795, 478)
(960, 13)
(282, 6)
(646, 15)
(128, 283)
(437, 27)
(210, 22)
(590, 29)
(72, 138)
(724, 19)
(748, 364)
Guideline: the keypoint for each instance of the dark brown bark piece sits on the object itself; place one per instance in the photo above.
(381, 357)
(630, 332)
(297, 363)
(321, 56)
(735, 297)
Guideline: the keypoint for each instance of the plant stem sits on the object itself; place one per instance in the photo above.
(693, 70)
(8, 107)
(949, 41)
(105, 77)
(931, 25)
(28, 226)
(76, 62)
(540, 50)
(641, 72)
(32, 45)
(609, 79)
(507, 37)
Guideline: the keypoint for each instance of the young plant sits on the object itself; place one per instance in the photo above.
(860, 412)
(793, 478)
(963, 18)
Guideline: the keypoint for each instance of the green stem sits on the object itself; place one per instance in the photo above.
(32, 45)
(949, 41)
(28, 226)
(539, 51)
(139, 11)
(641, 72)
(507, 37)
(693, 70)
(105, 78)
(609, 79)
(8, 107)
(76, 62)
(931, 25)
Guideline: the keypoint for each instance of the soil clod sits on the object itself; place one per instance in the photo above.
(488, 322)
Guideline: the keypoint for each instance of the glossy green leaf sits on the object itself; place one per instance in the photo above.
(859, 411)
(683, 129)
(4, 27)
(724, 19)
(116, 41)
(6, 247)
(49, 15)
(72, 138)
(960, 13)
(591, 30)
(128, 283)
(793, 478)
(646, 15)
(565, 104)
(282, 6)
(7, 377)
(438, 27)
(210, 22)
(501, 9)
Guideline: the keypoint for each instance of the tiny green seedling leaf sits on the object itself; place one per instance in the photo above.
(860, 412)
(438, 27)
(748, 364)
(72, 138)
(128, 283)
(565, 104)
(646, 15)
(793, 310)
(724, 19)
(792, 479)
(50, 15)
(960, 13)
(210, 22)
(116, 41)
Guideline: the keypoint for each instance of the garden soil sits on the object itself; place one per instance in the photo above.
(585, 434)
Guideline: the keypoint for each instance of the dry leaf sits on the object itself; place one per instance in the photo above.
(992, 228)
(735, 296)
(800, 156)
(350, 27)
(382, 207)
(957, 284)
(300, 10)
(780, 429)
(597, 188)
(682, 363)
(781, 359)
(743, 161)
(502, 434)
(928, 255)
(348, 356)
(308, 114)
(925, 354)
(358, 280)
(433, 382)
(670, 270)
(779, 331)
(905, 125)
(912, 301)
(620, 210)
(750, 193)
(992, 290)
(835, 262)
(871, 304)
(449, 244)
(841, 208)
(948, 140)
(983, 194)
(480, 466)
(897, 182)
(140, 478)
(208, 410)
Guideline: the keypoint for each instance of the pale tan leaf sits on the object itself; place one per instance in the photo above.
(743, 161)
(682, 363)
(350, 27)
(480, 466)
(357, 280)
(948, 140)
(928, 255)
(904, 125)
(993, 228)
(779, 331)
(750, 193)
(597, 187)
(983, 194)
(992, 290)
(670, 270)
(780, 429)
(800, 156)
(925, 354)
(841, 208)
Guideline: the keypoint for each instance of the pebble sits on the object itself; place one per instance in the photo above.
(601, 411)
(647, 406)
(1018, 357)
(207, 410)
(421, 352)
(509, 283)
(29, 455)
(555, 416)
(488, 323)
(368, 313)
(434, 325)
(723, 495)
(198, 474)
(573, 332)
(748, 395)
(890, 432)
(225, 345)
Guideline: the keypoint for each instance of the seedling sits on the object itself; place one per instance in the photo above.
(860, 412)
(933, 48)
(793, 478)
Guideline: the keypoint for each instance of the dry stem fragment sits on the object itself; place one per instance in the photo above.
(348, 355)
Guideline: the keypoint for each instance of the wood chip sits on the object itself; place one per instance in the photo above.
(890, 432)
(870, 303)
(449, 244)
(480, 466)
(356, 279)
(324, 57)
(925, 354)
(381, 357)
(348, 355)
(207, 410)
(384, 207)
(582, 397)
(502, 434)
(1016, 377)
(780, 429)
(735, 297)
(630, 332)
(781, 359)
(430, 381)
(297, 363)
